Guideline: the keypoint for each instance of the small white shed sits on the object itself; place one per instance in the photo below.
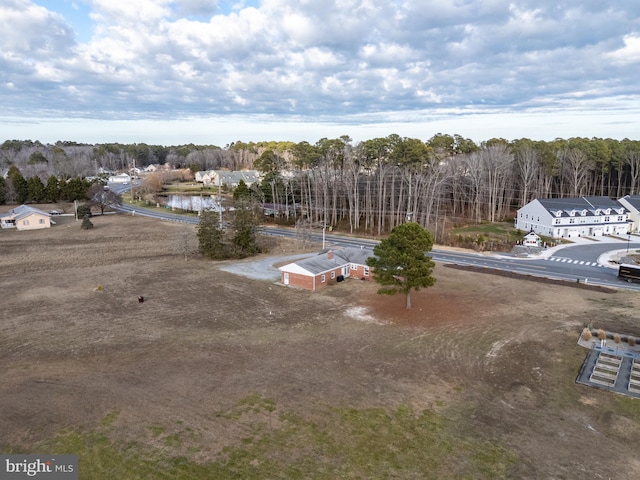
(531, 239)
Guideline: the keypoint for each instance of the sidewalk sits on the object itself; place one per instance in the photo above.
(604, 259)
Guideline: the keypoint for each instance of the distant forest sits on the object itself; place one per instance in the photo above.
(369, 186)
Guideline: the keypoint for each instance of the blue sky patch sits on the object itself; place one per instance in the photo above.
(76, 14)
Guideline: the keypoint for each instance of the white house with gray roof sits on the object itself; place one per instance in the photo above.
(204, 176)
(232, 179)
(574, 217)
(229, 178)
(25, 217)
(121, 178)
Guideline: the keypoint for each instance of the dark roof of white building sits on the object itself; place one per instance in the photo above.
(233, 178)
(582, 206)
(634, 201)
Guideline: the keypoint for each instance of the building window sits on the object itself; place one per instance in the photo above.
(41, 221)
(25, 222)
(527, 216)
(606, 219)
(620, 218)
(322, 278)
(572, 220)
(333, 275)
(556, 221)
(354, 266)
(366, 271)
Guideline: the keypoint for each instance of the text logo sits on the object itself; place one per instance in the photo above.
(46, 467)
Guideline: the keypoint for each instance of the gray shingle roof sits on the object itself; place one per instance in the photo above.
(322, 263)
(23, 211)
(634, 201)
(233, 178)
(589, 205)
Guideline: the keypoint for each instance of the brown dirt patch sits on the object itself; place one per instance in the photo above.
(498, 354)
(430, 307)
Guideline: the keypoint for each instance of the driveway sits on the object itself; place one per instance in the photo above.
(263, 268)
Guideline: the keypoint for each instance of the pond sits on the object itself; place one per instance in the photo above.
(192, 203)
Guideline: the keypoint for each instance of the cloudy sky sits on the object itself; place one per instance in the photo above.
(216, 71)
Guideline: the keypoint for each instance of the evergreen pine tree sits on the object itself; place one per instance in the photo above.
(211, 235)
(52, 190)
(36, 189)
(86, 223)
(245, 223)
(401, 263)
(20, 187)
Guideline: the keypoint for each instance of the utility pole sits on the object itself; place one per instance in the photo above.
(324, 227)
(220, 200)
(131, 179)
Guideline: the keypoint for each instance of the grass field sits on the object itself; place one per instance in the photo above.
(219, 376)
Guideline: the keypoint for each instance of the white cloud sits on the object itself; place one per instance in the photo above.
(195, 7)
(342, 59)
(129, 12)
(31, 31)
(630, 53)
(384, 53)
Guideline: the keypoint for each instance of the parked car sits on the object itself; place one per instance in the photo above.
(54, 212)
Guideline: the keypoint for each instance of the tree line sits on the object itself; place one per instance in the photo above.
(374, 185)
(16, 189)
(369, 186)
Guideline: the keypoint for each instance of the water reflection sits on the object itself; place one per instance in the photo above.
(192, 203)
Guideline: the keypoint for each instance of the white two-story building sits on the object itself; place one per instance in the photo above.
(632, 204)
(574, 217)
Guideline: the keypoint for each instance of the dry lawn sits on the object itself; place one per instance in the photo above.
(495, 357)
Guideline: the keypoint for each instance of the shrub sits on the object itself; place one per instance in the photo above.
(86, 223)
(586, 334)
(616, 338)
(602, 335)
(631, 341)
(84, 210)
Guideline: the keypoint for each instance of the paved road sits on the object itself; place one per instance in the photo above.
(584, 261)
(588, 260)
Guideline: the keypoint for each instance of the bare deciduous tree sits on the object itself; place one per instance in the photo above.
(632, 159)
(576, 168)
